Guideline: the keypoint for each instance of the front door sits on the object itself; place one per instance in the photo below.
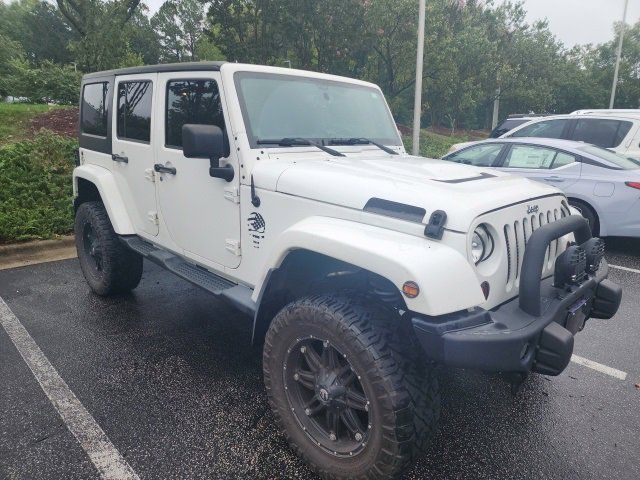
(201, 213)
(133, 153)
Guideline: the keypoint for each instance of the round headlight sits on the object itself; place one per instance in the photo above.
(481, 244)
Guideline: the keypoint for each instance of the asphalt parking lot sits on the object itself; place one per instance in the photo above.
(169, 375)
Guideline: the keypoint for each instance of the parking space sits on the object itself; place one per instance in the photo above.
(169, 376)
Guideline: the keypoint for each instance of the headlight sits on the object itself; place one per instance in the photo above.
(481, 244)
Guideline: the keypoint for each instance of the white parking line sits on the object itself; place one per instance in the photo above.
(90, 436)
(599, 367)
(626, 269)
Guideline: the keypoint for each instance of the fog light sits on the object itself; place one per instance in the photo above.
(594, 249)
(410, 289)
(570, 266)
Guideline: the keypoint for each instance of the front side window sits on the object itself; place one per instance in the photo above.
(602, 132)
(191, 101)
(547, 129)
(286, 106)
(134, 110)
(480, 155)
(95, 109)
(527, 156)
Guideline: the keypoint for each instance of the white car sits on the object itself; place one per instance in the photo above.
(616, 130)
(289, 194)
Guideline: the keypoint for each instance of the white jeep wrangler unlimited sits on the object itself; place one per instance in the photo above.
(289, 194)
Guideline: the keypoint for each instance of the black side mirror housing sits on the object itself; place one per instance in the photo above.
(207, 141)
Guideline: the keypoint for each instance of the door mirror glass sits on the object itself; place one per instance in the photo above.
(203, 141)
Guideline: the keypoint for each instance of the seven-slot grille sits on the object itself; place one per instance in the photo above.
(517, 234)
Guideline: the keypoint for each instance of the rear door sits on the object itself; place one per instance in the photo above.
(603, 132)
(544, 164)
(132, 149)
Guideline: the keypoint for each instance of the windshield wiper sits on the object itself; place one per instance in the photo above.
(361, 141)
(292, 142)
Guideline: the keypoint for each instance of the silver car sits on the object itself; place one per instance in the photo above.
(603, 185)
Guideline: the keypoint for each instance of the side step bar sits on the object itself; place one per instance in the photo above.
(239, 295)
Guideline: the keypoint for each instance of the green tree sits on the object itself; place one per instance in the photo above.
(100, 26)
(180, 27)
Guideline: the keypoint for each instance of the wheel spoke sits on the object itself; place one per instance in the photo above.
(329, 357)
(313, 406)
(313, 359)
(346, 376)
(306, 379)
(356, 400)
(333, 419)
(351, 421)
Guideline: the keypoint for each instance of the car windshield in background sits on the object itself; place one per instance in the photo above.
(508, 125)
(612, 157)
(286, 106)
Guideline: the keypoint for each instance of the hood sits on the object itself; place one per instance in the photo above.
(463, 192)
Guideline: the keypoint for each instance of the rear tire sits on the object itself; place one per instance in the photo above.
(398, 384)
(588, 213)
(108, 266)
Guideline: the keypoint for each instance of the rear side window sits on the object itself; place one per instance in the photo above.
(134, 110)
(481, 155)
(527, 156)
(602, 132)
(95, 109)
(191, 101)
(547, 129)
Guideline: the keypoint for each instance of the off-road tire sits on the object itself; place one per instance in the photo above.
(588, 213)
(121, 268)
(401, 384)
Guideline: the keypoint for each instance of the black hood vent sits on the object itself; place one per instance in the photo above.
(401, 211)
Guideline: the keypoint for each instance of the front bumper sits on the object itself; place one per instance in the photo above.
(533, 332)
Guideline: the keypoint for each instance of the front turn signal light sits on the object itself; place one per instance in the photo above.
(410, 289)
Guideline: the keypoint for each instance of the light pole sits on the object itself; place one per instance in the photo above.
(618, 55)
(417, 100)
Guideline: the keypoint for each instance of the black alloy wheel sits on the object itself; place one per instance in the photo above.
(326, 397)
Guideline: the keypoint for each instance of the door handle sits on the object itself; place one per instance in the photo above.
(119, 158)
(158, 167)
(554, 179)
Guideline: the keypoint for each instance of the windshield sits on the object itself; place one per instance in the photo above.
(285, 106)
(615, 158)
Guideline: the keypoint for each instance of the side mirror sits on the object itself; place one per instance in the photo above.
(207, 141)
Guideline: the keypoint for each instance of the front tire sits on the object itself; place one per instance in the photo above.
(349, 389)
(588, 213)
(108, 266)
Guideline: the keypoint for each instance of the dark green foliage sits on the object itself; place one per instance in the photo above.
(36, 188)
(46, 82)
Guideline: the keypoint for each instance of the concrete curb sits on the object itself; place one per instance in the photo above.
(38, 251)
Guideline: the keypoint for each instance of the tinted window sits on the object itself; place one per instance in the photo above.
(134, 110)
(191, 101)
(548, 129)
(507, 125)
(614, 158)
(527, 156)
(481, 155)
(563, 159)
(95, 109)
(601, 132)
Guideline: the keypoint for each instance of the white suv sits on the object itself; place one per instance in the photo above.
(617, 130)
(289, 194)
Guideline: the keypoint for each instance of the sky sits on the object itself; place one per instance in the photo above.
(572, 21)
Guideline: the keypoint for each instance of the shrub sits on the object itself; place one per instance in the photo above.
(36, 188)
(47, 82)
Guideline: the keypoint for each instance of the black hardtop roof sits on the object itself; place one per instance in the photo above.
(162, 67)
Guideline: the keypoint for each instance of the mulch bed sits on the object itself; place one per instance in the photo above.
(63, 121)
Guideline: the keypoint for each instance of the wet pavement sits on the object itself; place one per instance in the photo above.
(169, 374)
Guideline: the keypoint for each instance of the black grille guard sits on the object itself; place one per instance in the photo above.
(535, 253)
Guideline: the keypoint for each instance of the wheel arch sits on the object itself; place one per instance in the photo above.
(341, 254)
(93, 183)
(600, 228)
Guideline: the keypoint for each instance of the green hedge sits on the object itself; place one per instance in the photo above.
(35, 188)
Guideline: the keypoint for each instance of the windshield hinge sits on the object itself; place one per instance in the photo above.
(232, 194)
(233, 246)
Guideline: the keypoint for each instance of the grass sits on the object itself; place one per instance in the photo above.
(435, 145)
(14, 120)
